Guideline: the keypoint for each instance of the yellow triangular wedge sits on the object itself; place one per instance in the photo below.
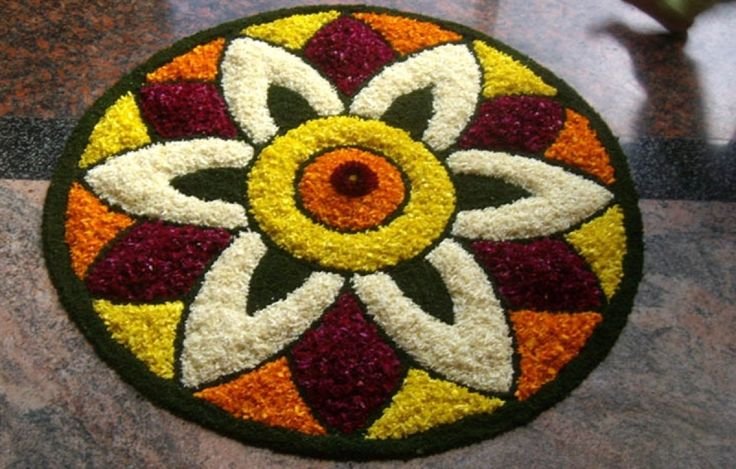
(602, 242)
(146, 330)
(292, 32)
(424, 402)
(121, 128)
(503, 75)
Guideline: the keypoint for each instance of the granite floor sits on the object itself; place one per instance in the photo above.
(663, 397)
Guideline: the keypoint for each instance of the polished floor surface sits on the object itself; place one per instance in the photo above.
(663, 397)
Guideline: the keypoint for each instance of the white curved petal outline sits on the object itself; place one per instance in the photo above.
(139, 181)
(455, 82)
(220, 338)
(250, 67)
(476, 350)
(559, 199)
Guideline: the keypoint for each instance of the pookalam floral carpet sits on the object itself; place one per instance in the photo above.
(345, 232)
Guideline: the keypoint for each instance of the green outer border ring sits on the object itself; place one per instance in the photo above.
(166, 394)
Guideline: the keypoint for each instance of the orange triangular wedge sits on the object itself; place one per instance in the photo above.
(547, 342)
(90, 225)
(267, 395)
(407, 35)
(199, 63)
(578, 145)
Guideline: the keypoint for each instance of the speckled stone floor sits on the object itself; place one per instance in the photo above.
(663, 397)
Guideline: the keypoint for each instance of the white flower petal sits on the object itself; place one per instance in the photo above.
(249, 69)
(139, 181)
(455, 78)
(559, 199)
(476, 350)
(220, 338)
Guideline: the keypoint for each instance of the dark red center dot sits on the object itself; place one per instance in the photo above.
(354, 179)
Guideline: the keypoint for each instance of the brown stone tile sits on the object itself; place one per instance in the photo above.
(60, 56)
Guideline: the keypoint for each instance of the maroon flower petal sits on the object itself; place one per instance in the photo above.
(515, 123)
(344, 368)
(544, 275)
(348, 51)
(155, 262)
(179, 110)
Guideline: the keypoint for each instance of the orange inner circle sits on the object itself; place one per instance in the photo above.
(351, 212)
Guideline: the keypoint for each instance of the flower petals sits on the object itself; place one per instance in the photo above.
(344, 368)
(349, 52)
(514, 123)
(181, 110)
(220, 338)
(139, 181)
(544, 274)
(560, 199)
(250, 67)
(455, 86)
(476, 350)
(154, 261)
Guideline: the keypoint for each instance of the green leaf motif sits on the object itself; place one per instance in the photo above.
(411, 112)
(424, 286)
(226, 184)
(478, 192)
(277, 275)
(288, 108)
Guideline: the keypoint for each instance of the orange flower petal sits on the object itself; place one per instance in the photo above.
(198, 64)
(579, 146)
(547, 342)
(267, 395)
(323, 201)
(408, 35)
(90, 225)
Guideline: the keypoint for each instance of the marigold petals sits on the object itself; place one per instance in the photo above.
(408, 35)
(547, 342)
(271, 192)
(89, 226)
(120, 128)
(292, 32)
(602, 242)
(423, 403)
(578, 145)
(198, 64)
(325, 202)
(503, 75)
(267, 395)
(148, 331)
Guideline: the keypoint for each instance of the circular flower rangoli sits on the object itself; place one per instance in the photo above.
(346, 232)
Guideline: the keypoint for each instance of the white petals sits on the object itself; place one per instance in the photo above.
(139, 181)
(455, 78)
(476, 350)
(250, 67)
(559, 199)
(220, 338)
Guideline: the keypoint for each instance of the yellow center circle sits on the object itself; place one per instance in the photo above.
(272, 196)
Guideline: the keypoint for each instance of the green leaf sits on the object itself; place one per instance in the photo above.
(227, 184)
(288, 108)
(424, 286)
(477, 192)
(277, 275)
(411, 112)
